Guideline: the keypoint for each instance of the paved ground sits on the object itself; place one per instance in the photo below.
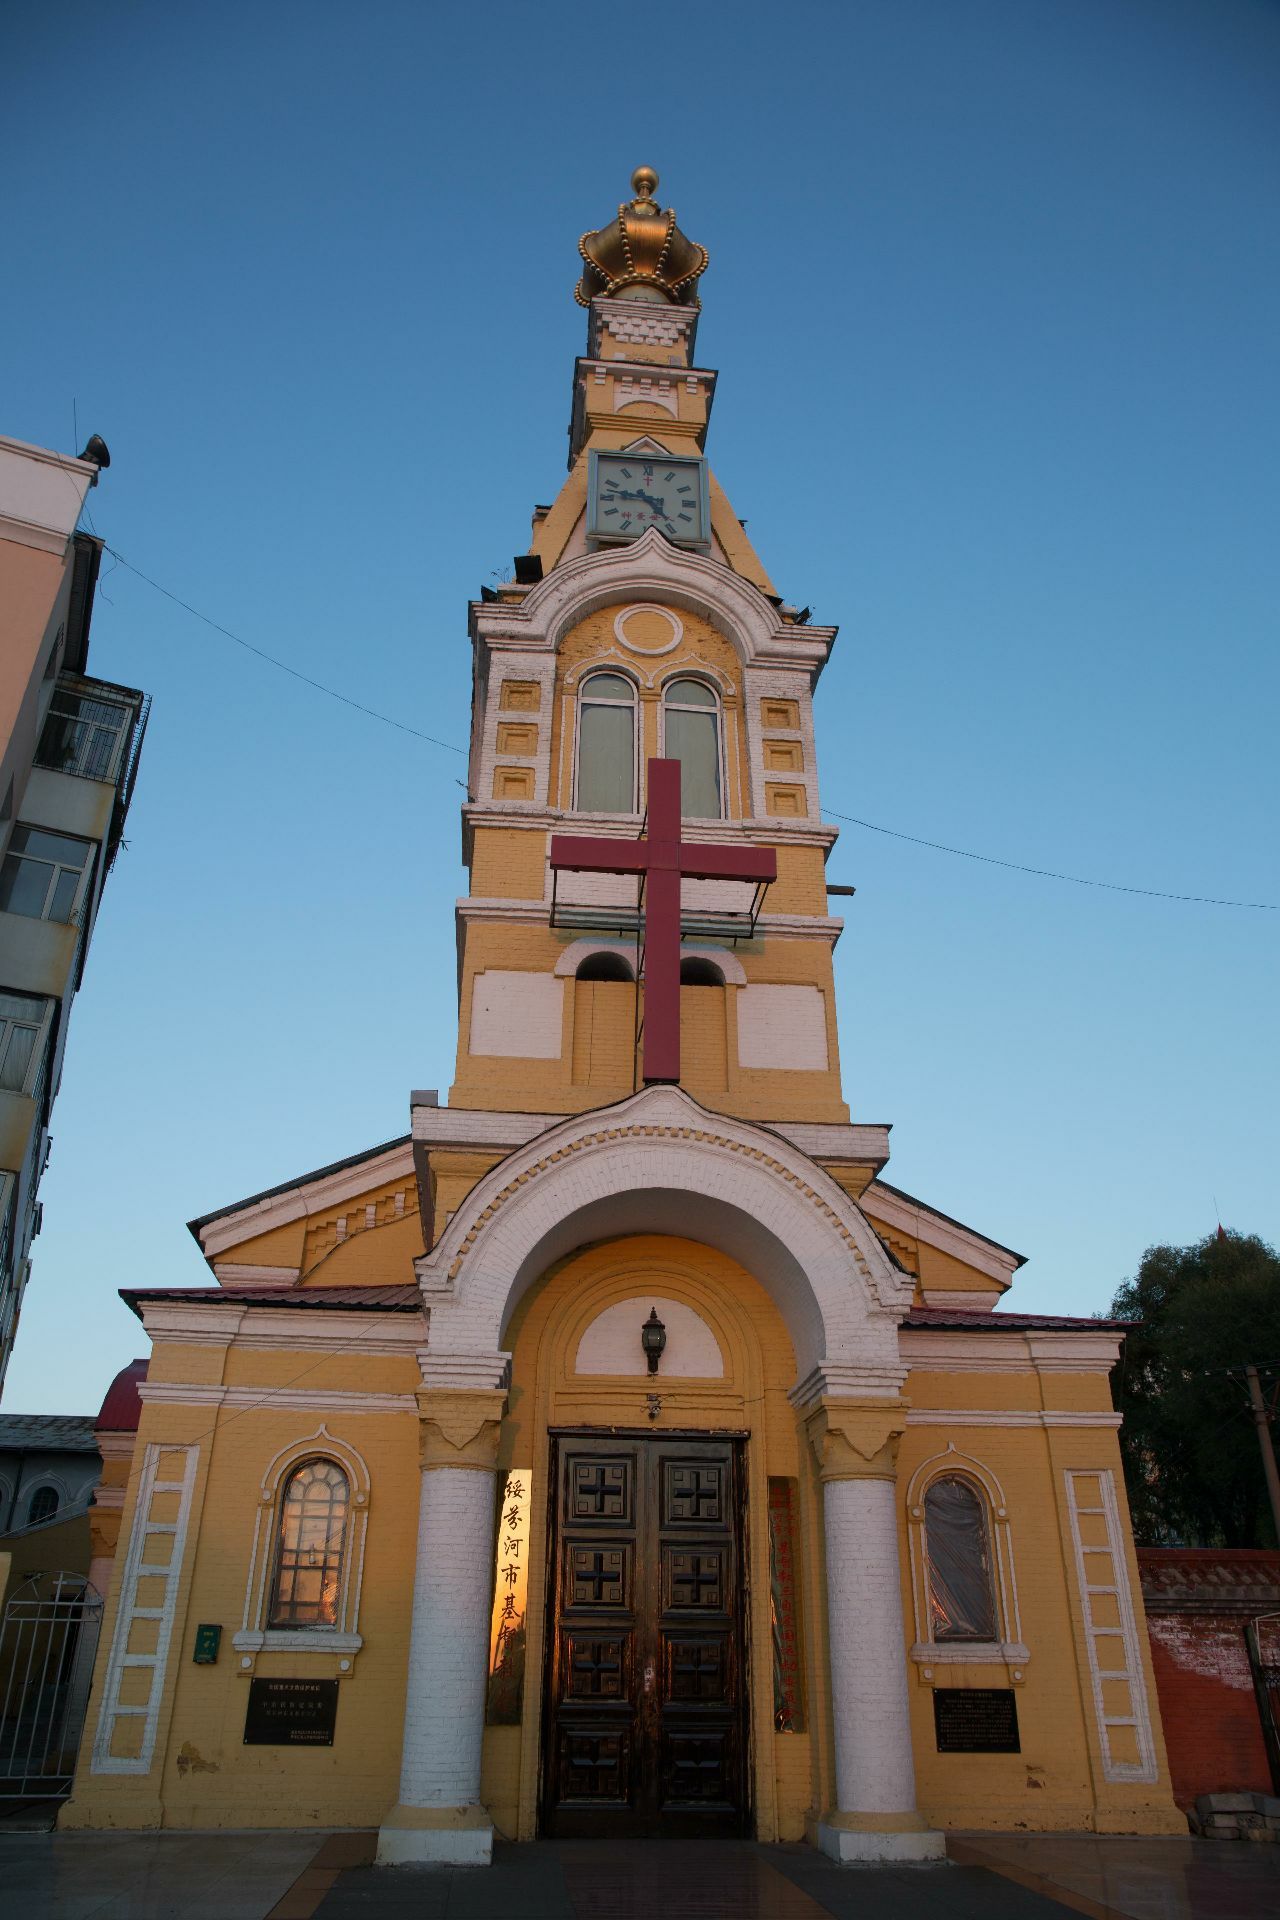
(311, 1876)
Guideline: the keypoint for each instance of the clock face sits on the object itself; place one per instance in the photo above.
(633, 492)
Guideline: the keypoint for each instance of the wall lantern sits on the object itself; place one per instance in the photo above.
(653, 1338)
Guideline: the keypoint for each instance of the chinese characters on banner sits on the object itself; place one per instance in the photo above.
(788, 1705)
(510, 1600)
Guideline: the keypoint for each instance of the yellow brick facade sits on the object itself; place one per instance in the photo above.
(349, 1307)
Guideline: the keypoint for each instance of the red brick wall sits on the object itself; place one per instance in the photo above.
(1198, 1602)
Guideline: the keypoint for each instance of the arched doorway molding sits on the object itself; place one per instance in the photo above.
(658, 1162)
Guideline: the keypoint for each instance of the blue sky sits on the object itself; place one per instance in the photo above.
(993, 293)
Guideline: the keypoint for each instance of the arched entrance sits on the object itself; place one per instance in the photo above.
(658, 1165)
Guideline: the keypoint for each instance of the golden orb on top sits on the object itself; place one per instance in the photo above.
(642, 255)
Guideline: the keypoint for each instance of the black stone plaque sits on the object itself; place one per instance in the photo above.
(976, 1720)
(291, 1713)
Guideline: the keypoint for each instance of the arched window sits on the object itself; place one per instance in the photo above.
(958, 1557)
(310, 1537)
(697, 972)
(605, 966)
(606, 745)
(691, 735)
(44, 1504)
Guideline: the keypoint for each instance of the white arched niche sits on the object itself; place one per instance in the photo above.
(610, 1343)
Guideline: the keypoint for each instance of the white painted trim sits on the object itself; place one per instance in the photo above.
(235, 1273)
(964, 1653)
(297, 1640)
(648, 606)
(292, 1399)
(304, 1329)
(309, 1196)
(579, 950)
(947, 1464)
(319, 1445)
(962, 1299)
(143, 1530)
(974, 1417)
(650, 568)
(1127, 1633)
(948, 1236)
(987, 1350)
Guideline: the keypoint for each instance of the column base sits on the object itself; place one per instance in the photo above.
(435, 1837)
(880, 1839)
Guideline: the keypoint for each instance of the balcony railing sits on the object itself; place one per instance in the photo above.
(89, 729)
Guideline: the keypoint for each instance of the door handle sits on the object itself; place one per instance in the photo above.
(648, 1676)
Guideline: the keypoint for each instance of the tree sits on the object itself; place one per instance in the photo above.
(1189, 1443)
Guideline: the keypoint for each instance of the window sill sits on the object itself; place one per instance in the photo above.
(1009, 1654)
(297, 1640)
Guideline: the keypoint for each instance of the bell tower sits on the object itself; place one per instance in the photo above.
(642, 626)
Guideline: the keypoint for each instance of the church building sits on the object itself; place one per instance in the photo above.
(619, 1452)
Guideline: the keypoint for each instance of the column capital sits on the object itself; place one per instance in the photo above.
(856, 1439)
(459, 1428)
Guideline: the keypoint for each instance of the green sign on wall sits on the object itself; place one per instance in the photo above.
(206, 1648)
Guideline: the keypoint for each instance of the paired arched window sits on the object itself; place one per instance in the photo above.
(44, 1504)
(606, 966)
(311, 1531)
(606, 744)
(691, 735)
(957, 1541)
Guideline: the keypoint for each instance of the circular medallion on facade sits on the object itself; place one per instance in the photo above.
(648, 629)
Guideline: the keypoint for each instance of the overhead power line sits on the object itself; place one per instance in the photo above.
(387, 720)
(869, 826)
(1047, 873)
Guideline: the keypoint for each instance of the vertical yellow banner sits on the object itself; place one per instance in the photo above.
(510, 1601)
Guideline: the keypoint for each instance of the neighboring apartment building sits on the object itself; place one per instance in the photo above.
(49, 1467)
(69, 747)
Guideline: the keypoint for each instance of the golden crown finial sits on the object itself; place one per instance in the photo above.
(642, 255)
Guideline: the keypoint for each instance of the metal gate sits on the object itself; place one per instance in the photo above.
(48, 1638)
(1266, 1687)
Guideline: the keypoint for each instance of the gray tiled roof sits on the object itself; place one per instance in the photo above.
(52, 1432)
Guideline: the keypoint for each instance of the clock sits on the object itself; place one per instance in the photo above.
(628, 493)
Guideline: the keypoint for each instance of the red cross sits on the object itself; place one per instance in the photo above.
(665, 859)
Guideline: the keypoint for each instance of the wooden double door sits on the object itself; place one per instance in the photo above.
(645, 1712)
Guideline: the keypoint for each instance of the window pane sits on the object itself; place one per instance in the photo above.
(690, 693)
(51, 846)
(606, 776)
(19, 1044)
(64, 896)
(22, 1006)
(960, 1596)
(693, 740)
(44, 1504)
(608, 686)
(312, 1531)
(24, 886)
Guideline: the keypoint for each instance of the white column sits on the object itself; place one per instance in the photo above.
(439, 1817)
(875, 1818)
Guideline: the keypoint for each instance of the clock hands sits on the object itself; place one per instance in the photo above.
(638, 493)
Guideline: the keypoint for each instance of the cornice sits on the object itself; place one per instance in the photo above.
(652, 569)
(534, 913)
(986, 1351)
(947, 1236)
(823, 1141)
(210, 1323)
(531, 817)
(300, 1201)
(334, 1401)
